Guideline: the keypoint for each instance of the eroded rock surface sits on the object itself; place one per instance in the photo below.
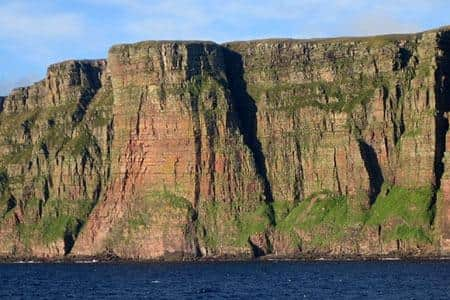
(188, 149)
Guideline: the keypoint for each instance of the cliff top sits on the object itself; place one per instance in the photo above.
(59, 66)
(120, 47)
(75, 61)
(393, 36)
(141, 44)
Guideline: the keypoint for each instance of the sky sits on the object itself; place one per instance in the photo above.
(36, 33)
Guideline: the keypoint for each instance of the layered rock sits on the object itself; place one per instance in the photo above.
(55, 142)
(177, 147)
(249, 148)
(343, 116)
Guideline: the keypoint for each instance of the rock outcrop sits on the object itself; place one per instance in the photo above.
(177, 154)
(194, 149)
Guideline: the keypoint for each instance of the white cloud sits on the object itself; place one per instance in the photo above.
(26, 23)
(381, 23)
(188, 19)
(41, 32)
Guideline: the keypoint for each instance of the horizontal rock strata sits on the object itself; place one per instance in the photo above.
(194, 149)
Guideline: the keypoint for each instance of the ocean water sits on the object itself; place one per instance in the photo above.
(228, 280)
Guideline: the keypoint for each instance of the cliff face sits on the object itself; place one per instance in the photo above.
(182, 175)
(347, 122)
(249, 148)
(55, 138)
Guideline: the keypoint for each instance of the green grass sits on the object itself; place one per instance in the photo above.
(12, 123)
(99, 113)
(408, 233)
(379, 41)
(62, 112)
(254, 222)
(424, 70)
(168, 198)
(55, 138)
(323, 214)
(21, 154)
(403, 213)
(151, 203)
(281, 209)
(80, 144)
(5, 196)
(341, 95)
(156, 210)
(230, 224)
(140, 219)
(60, 217)
(54, 228)
(323, 218)
(413, 133)
(209, 214)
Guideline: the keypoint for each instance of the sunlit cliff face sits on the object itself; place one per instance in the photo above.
(188, 149)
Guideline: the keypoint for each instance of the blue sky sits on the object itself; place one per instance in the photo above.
(36, 33)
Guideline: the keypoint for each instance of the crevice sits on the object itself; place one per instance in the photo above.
(380, 240)
(244, 105)
(71, 236)
(299, 189)
(372, 165)
(46, 191)
(198, 149)
(97, 192)
(10, 204)
(2, 102)
(45, 150)
(138, 117)
(69, 241)
(397, 114)
(402, 59)
(257, 251)
(94, 83)
(442, 92)
(299, 175)
(441, 125)
(109, 142)
(191, 233)
(212, 133)
(196, 129)
(336, 173)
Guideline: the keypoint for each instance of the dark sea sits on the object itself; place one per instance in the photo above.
(228, 280)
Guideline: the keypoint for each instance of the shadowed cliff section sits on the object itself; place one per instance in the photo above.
(246, 110)
(2, 100)
(373, 168)
(93, 77)
(245, 107)
(442, 90)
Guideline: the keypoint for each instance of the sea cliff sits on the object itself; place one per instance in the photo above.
(287, 148)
